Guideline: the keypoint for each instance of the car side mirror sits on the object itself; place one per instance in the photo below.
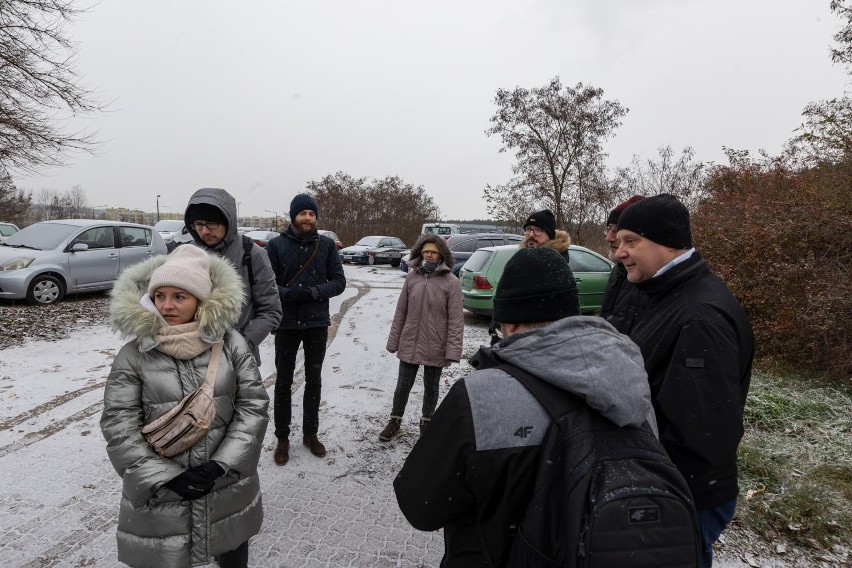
(78, 247)
(184, 230)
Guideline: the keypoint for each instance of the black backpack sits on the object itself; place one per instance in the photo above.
(247, 244)
(604, 496)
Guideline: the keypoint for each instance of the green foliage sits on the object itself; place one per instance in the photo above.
(781, 238)
(795, 461)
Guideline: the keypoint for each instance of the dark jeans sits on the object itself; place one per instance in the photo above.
(711, 523)
(407, 375)
(286, 345)
(237, 558)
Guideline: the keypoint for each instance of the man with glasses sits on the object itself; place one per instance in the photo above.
(540, 231)
(622, 303)
(211, 218)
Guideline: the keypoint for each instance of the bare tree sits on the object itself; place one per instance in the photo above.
(14, 202)
(39, 86)
(556, 134)
(45, 198)
(680, 176)
(78, 203)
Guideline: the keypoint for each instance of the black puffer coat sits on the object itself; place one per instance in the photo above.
(698, 349)
(623, 304)
(288, 252)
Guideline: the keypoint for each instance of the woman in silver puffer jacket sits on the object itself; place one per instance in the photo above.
(204, 502)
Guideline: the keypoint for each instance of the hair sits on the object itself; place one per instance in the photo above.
(439, 242)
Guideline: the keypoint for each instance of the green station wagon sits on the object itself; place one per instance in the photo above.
(481, 273)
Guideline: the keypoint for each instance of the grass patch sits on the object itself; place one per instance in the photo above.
(796, 460)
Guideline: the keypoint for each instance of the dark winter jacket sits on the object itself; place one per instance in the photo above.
(428, 324)
(623, 304)
(261, 309)
(156, 526)
(471, 472)
(324, 277)
(698, 348)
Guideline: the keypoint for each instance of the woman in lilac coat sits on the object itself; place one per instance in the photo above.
(427, 328)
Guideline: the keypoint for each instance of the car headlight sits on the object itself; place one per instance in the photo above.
(18, 263)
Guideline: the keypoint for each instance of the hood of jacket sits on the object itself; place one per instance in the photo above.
(222, 200)
(216, 314)
(560, 242)
(586, 356)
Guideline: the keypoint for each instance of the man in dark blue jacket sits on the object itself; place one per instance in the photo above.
(698, 348)
(308, 272)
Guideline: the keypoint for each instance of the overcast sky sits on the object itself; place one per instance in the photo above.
(259, 97)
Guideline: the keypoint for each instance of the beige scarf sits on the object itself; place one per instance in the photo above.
(182, 341)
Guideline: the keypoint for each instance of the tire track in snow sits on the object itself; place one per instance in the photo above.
(59, 425)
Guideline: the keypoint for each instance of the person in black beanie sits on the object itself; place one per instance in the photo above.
(698, 347)
(308, 272)
(473, 470)
(540, 231)
(622, 303)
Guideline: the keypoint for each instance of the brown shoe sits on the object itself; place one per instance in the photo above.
(316, 447)
(392, 429)
(282, 451)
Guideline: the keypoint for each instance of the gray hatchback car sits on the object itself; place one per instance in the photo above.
(47, 260)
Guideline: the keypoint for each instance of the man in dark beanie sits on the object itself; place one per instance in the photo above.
(472, 471)
(698, 347)
(308, 272)
(540, 231)
(211, 219)
(622, 303)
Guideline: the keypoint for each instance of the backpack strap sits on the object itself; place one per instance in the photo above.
(555, 401)
(247, 244)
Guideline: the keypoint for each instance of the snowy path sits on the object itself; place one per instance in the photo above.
(60, 494)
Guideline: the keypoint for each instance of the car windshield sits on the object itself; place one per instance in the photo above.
(41, 236)
(168, 226)
(369, 241)
(6, 230)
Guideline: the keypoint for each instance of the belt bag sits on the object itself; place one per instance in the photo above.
(186, 424)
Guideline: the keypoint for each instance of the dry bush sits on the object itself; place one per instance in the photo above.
(781, 238)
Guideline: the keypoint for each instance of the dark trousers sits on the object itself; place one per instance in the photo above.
(711, 523)
(287, 343)
(237, 558)
(407, 375)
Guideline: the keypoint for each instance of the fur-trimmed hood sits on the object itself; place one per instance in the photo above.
(216, 314)
(559, 243)
(439, 242)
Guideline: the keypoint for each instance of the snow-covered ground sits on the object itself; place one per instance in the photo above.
(59, 495)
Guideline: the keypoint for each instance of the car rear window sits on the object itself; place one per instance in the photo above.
(582, 261)
(477, 260)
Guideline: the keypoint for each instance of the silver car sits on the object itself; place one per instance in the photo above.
(47, 260)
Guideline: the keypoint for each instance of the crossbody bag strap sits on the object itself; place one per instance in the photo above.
(213, 364)
(307, 262)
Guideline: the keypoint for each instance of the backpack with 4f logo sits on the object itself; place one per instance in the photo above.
(605, 496)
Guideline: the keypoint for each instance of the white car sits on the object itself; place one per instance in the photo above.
(174, 232)
(47, 260)
(7, 230)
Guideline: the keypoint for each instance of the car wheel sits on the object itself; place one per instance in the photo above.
(395, 263)
(371, 260)
(45, 289)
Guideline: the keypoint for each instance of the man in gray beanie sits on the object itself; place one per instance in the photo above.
(698, 348)
(473, 470)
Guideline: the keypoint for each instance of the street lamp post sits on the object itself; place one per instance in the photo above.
(276, 217)
(158, 208)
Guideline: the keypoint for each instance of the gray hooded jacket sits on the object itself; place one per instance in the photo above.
(261, 311)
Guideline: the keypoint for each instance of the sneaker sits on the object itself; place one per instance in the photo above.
(392, 429)
(423, 423)
(282, 451)
(316, 447)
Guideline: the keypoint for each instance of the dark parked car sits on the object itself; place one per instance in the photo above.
(481, 273)
(333, 236)
(462, 246)
(375, 250)
(46, 260)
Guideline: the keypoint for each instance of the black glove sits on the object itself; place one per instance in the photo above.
(196, 482)
(300, 294)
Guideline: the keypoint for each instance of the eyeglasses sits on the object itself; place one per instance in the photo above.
(210, 226)
(610, 229)
(535, 231)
